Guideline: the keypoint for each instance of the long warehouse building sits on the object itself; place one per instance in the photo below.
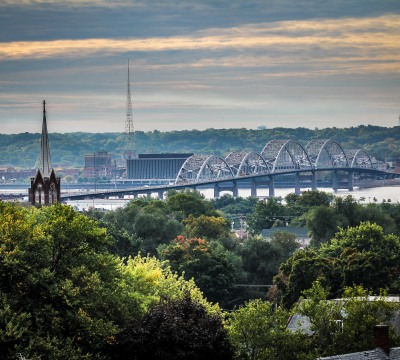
(155, 166)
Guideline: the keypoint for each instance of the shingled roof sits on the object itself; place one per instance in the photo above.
(377, 354)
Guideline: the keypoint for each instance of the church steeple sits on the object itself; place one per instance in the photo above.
(44, 161)
(45, 186)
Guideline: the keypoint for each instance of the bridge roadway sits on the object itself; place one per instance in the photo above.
(232, 184)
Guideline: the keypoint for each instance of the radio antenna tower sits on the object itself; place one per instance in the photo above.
(129, 130)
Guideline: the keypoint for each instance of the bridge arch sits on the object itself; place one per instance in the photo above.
(203, 168)
(247, 163)
(284, 155)
(359, 158)
(326, 153)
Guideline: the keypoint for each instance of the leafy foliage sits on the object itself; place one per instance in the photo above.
(265, 214)
(345, 325)
(209, 227)
(189, 202)
(179, 329)
(141, 226)
(258, 331)
(362, 255)
(323, 222)
(194, 258)
(62, 294)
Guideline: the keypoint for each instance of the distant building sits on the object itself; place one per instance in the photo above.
(301, 233)
(97, 165)
(155, 166)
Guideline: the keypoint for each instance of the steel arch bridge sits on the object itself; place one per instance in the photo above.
(276, 157)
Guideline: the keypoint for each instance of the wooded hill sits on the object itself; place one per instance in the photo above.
(21, 150)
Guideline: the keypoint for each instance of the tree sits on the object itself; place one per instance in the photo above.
(179, 329)
(261, 260)
(300, 204)
(141, 226)
(301, 270)
(56, 283)
(194, 258)
(365, 253)
(208, 227)
(348, 208)
(265, 214)
(382, 215)
(322, 224)
(155, 227)
(232, 207)
(344, 325)
(286, 243)
(258, 330)
(62, 295)
(362, 255)
(189, 202)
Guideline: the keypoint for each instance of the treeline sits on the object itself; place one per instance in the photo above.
(170, 280)
(21, 150)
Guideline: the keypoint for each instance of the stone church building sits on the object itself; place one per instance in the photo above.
(45, 186)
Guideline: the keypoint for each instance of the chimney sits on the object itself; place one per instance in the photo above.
(381, 338)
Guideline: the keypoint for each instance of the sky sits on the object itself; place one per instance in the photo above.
(198, 64)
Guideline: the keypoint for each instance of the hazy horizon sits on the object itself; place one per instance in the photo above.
(200, 130)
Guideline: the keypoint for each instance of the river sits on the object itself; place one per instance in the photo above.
(362, 195)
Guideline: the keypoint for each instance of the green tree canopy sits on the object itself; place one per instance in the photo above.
(361, 255)
(258, 331)
(175, 329)
(189, 202)
(63, 295)
(300, 204)
(345, 325)
(208, 227)
(265, 214)
(194, 258)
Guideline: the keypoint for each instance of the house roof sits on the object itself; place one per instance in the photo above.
(302, 323)
(300, 232)
(376, 354)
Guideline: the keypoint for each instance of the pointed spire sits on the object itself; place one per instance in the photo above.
(44, 161)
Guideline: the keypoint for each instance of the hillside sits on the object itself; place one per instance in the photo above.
(21, 150)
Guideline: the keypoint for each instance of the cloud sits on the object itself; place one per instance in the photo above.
(375, 38)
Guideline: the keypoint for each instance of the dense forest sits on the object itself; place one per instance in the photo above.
(171, 280)
(21, 150)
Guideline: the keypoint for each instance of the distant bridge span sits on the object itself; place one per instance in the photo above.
(277, 158)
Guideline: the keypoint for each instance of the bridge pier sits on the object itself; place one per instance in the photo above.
(313, 181)
(271, 186)
(350, 181)
(335, 185)
(216, 191)
(160, 194)
(297, 184)
(235, 190)
(253, 188)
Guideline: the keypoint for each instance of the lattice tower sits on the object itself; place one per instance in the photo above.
(129, 129)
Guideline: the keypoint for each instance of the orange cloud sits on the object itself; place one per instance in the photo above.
(345, 45)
